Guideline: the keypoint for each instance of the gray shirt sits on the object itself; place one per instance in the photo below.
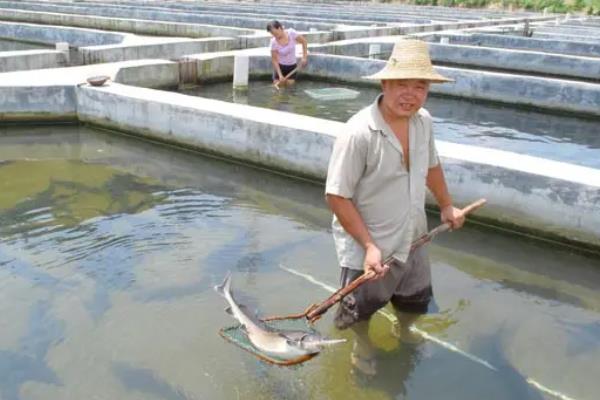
(366, 166)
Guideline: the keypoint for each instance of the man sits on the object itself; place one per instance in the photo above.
(378, 171)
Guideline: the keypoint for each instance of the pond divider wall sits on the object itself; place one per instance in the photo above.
(23, 60)
(53, 34)
(510, 60)
(31, 96)
(171, 49)
(513, 89)
(530, 194)
(547, 198)
(140, 26)
(583, 49)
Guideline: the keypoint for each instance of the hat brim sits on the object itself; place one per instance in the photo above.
(385, 73)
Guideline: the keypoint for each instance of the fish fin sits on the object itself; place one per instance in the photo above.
(229, 311)
(292, 341)
(252, 316)
(224, 287)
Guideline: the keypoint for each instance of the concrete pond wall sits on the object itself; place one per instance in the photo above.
(515, 42)
(115, 23)
(31, 96)
(546, 198)
(531, 91)
(52, 34)
(528, 193)
(485, 58)
(31, 59)
(89, 46)
(170, 49)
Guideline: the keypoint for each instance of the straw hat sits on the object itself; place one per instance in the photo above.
(409, 60)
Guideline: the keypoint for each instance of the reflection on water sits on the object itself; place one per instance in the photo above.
(11, 45)
(109, 248)
(557, 137)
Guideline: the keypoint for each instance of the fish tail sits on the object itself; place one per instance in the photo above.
(223, 288)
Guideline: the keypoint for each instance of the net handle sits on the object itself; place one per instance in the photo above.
(314, 312)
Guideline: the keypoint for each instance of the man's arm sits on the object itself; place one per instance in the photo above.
(436, 182)
(353, 223)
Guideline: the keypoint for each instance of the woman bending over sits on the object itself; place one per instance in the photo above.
(283, 52)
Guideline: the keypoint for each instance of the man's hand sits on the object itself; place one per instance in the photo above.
(453, 216)
(373, 262)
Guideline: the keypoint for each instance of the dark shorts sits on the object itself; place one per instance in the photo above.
(406, 285)
(285, 69)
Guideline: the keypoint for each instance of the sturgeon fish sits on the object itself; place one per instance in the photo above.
(286, 344)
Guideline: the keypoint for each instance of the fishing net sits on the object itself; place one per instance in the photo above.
(237, 336)
(334, 93)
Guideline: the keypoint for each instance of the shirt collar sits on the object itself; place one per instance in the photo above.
(377, 123)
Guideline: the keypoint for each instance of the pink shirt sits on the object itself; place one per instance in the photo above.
(287, 53)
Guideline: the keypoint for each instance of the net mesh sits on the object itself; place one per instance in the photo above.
(237, 335)
(334, 93)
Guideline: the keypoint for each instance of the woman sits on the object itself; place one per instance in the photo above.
(283, 52)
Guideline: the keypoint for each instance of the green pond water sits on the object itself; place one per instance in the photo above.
(557, 137)
(110, 247)
(12, 45)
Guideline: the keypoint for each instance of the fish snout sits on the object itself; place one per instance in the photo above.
(316, 343)
(331, 342)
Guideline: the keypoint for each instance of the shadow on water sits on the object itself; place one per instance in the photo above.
(563, 277)
(145, 381)
(142, 232)
(421, 372)
(512, 380)
(587, 337)
(29, 364)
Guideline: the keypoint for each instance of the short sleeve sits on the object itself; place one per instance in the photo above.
(293, 34)
(273, 44)
(433, 157)
(346, 164)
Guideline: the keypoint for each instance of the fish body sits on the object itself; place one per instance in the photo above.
(287, 344)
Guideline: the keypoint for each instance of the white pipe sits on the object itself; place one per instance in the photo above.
(374, 50)
(240, 72)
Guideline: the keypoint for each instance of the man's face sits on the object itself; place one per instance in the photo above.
(404, 97)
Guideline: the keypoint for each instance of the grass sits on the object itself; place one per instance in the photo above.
(590, 7)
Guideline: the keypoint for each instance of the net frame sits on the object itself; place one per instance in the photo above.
(237, 336)
(332, 94)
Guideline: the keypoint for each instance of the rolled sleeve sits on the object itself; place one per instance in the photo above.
(346, 165)
(434, 159)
